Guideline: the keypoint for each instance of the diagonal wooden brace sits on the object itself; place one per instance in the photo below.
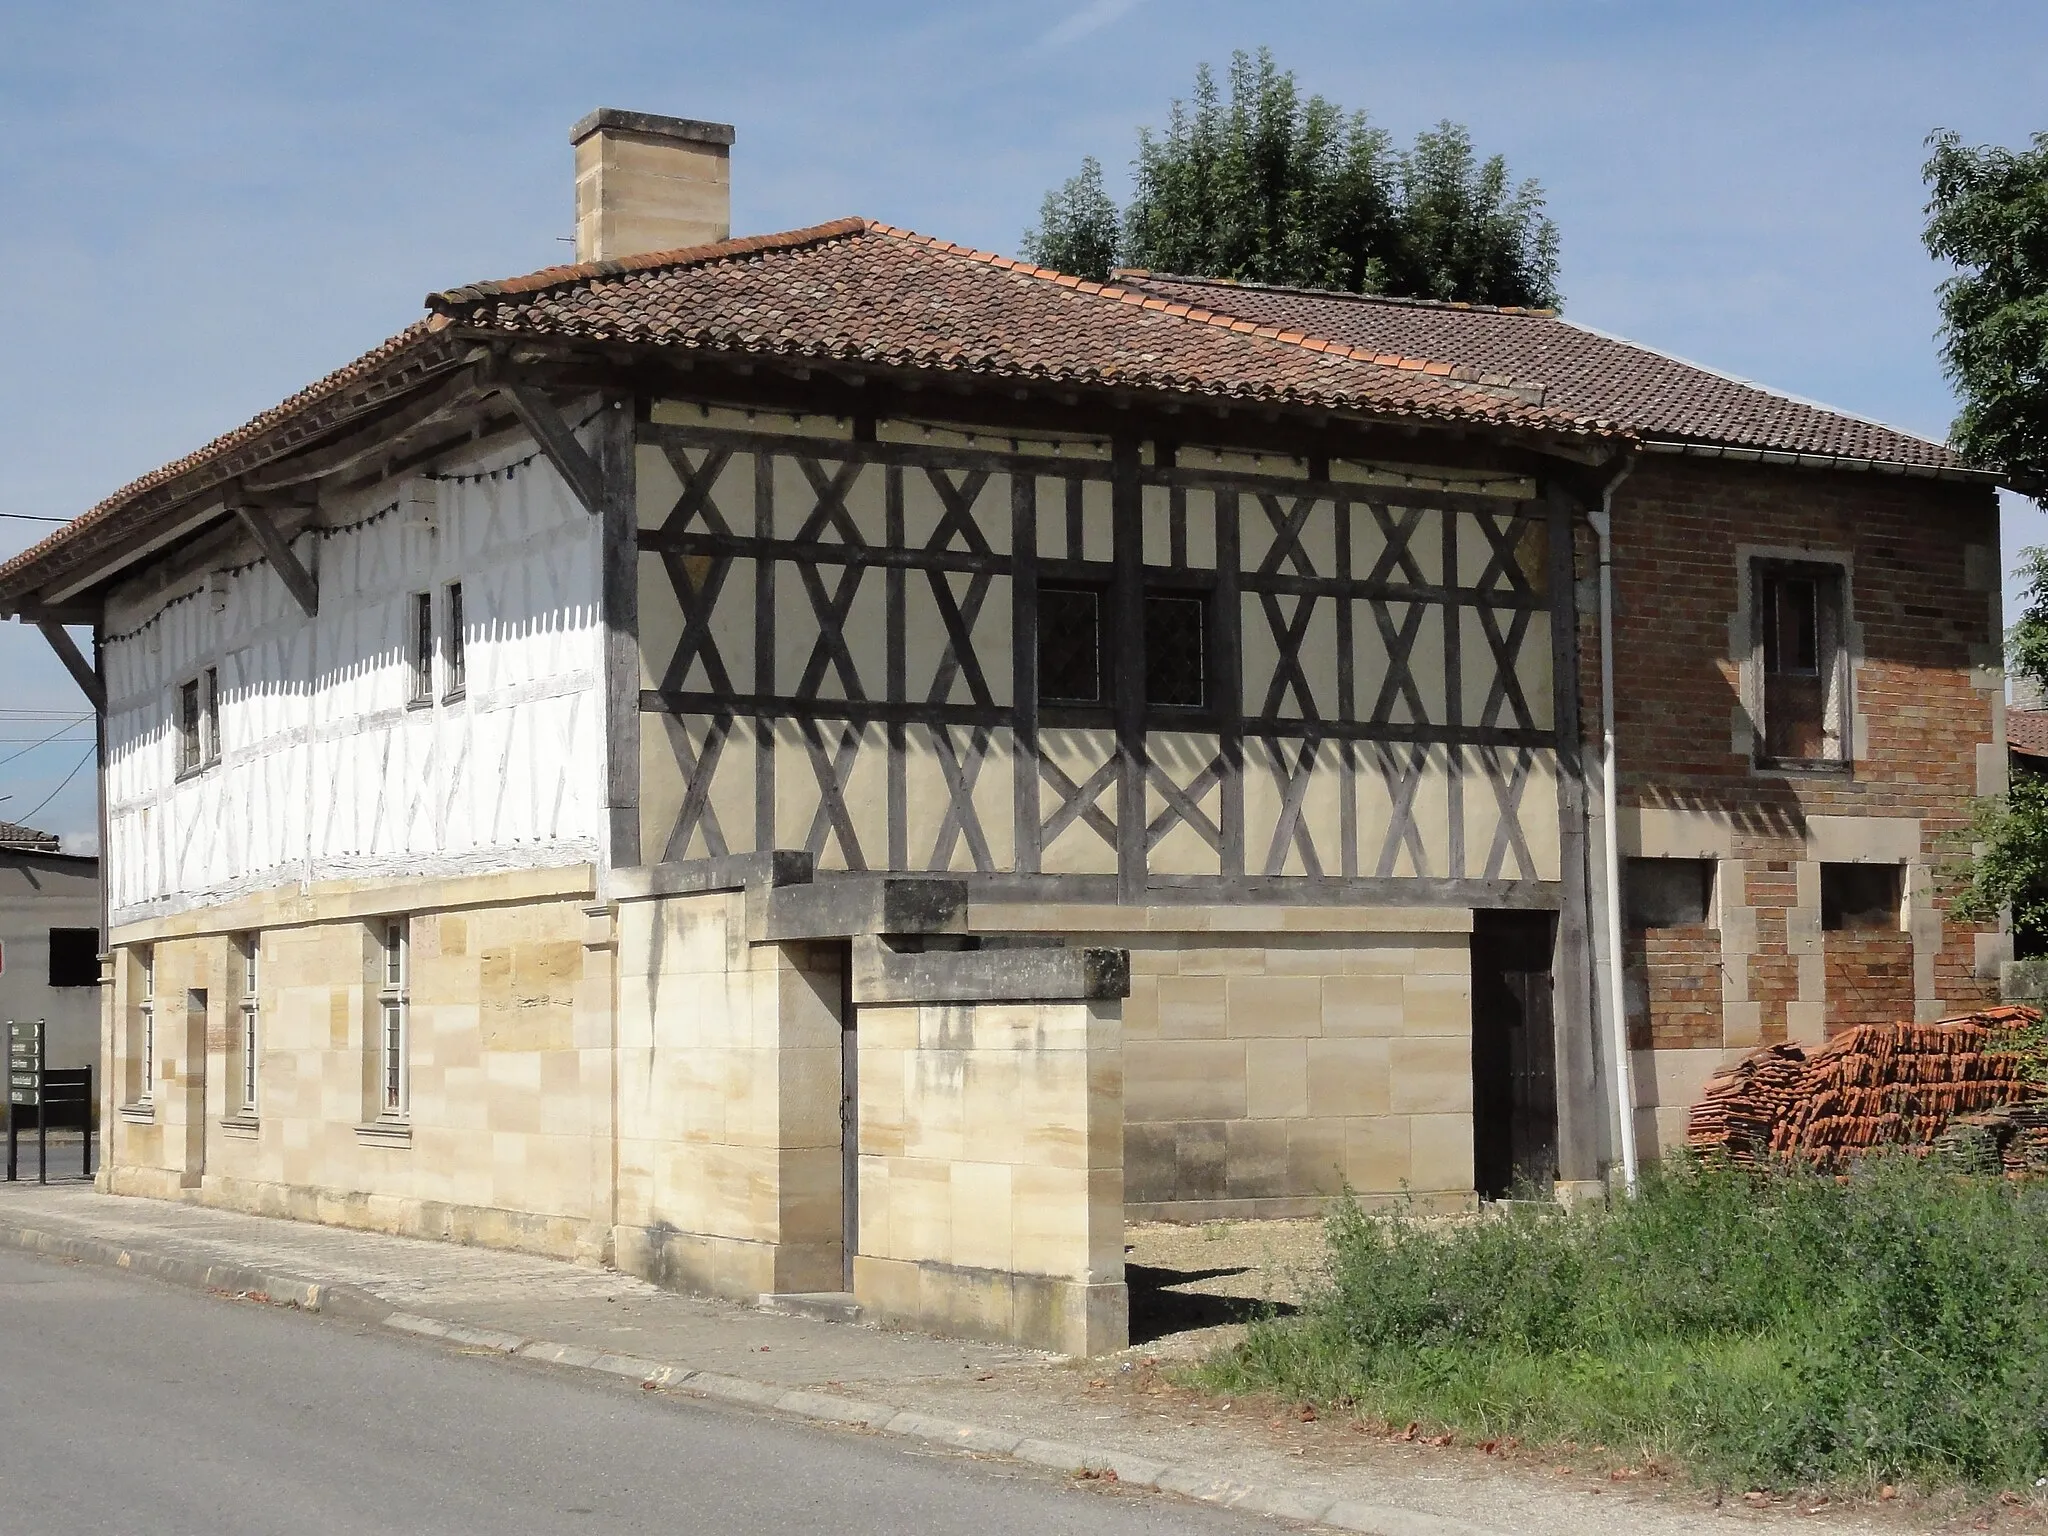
(537, 413)
(75, 663)
(279, 552)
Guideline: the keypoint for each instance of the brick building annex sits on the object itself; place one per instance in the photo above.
(835, 762)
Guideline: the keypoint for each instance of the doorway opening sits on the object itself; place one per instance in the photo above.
(849, 1124)
(1514, 1055)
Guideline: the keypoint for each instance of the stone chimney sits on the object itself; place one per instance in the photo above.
(647, 183)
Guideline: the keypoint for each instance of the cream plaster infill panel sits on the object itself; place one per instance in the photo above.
(658, 487)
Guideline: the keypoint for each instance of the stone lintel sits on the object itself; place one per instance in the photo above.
(1011, 974)
(840, 907)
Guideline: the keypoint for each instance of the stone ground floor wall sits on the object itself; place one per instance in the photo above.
(730, 1155)
(1273, 1055)
(505, 1135)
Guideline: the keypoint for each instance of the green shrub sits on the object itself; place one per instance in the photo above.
(1767, 1329)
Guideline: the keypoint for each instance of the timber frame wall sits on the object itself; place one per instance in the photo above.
(1392, 669)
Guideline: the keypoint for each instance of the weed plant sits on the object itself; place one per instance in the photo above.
(1765, 1329)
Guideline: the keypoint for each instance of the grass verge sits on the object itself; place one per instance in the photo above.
(1764, 1330)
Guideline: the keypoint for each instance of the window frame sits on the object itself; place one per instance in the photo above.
(1834, 671)
(1159, 582)
(249, 1001)
(145, 1011)
(1894, 910)
(419, 650)
(186, 715)
(455, 659)
(394, 1018)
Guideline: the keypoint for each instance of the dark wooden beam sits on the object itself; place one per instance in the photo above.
(537, 413)
(380, 438)
(81, 670)
(278, 551)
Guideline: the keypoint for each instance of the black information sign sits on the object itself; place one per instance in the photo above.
(62, 1098)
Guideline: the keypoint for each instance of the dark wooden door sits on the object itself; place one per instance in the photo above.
(1514, 1055)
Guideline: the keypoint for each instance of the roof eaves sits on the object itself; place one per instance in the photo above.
(1788, 459)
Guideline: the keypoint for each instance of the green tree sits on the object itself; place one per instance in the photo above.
(1077, 226)
(1988, 214)
(1275, 187)
(2008, 833)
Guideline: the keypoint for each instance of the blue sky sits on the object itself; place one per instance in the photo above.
(211, 204)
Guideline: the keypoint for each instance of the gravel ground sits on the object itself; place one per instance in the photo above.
(1193, 1287)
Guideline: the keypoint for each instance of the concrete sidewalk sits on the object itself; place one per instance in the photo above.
(1103, 1416)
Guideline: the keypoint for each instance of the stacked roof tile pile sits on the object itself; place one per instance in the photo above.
(1872, 1086)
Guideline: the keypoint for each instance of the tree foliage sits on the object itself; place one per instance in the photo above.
(1987, 213)
(2008, 833)
(1273, 187)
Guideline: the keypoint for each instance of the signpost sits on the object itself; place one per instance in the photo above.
(65, 1095)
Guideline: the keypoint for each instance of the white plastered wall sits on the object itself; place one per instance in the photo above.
(326, 771)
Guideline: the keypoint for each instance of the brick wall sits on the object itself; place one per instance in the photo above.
(1923, 598)
(1674, 987)
(1870, 978)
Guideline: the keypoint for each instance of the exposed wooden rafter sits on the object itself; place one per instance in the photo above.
(380, 439)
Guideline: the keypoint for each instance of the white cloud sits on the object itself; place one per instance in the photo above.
(1090, 19)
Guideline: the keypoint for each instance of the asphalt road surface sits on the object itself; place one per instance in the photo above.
(130, 1406)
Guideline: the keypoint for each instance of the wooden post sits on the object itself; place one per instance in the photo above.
(619, 555)
(1127, 614)
(1578, 1086)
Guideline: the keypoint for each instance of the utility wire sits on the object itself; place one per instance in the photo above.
(30, 517)
(67, 725)
(53, 794)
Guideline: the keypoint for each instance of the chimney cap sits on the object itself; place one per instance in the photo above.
(685, 128)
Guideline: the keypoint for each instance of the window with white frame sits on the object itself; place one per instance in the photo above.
(457, 678)
(393, 1010)
(422, 648)
(251, 1016)
(145, 1025)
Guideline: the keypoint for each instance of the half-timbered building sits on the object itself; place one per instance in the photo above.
(836, 762)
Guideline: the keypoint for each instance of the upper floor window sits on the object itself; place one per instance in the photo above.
(1861, 896)
(421, 644)
(458, 670)
(1076, 654)
(1805, 673)
(199, 721)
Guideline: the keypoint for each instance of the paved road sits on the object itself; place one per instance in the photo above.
(127, 1406)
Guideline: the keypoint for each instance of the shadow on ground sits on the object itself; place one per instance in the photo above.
(1165, 1302)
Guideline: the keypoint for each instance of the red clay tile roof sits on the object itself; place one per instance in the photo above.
(1583, 371)
(857, 291)
(2026, 732)
(854, 291)
(280, 429)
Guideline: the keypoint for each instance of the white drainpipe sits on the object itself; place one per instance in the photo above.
(1617, 1018)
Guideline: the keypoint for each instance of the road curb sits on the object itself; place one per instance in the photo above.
(1205, 1484)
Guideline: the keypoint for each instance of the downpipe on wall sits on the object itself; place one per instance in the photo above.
(1602, 520)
